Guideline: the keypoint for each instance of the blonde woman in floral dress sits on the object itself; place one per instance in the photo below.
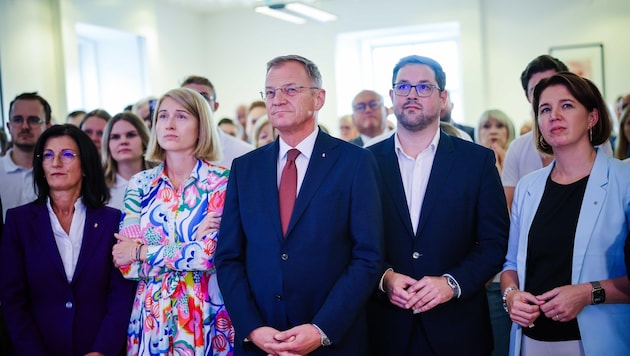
(168, 236)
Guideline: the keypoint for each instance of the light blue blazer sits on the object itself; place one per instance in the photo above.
(602, 229)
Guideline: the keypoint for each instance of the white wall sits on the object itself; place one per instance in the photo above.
(30, 50)
(237, 58)
(517, 31)
(231, 47)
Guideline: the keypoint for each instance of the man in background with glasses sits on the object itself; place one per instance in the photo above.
(446, 227)
(369, 116)
(231, 147)
(29, 116)
(299, 250)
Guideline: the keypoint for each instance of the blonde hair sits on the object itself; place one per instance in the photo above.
(258, 126)
(207, 146)
(110, 166)
(501, 117)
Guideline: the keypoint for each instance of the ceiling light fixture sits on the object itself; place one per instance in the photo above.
(296, 12)
(273, 11)
(310, 12)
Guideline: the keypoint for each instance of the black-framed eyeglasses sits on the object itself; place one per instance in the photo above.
(31, 120)
(423, 90)
(363, 106)
(66, 156)
(290, 90)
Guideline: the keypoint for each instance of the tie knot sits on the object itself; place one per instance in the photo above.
(292, 154)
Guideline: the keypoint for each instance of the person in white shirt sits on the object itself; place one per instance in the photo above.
(522, 157)
(232, 147)
(29, 116)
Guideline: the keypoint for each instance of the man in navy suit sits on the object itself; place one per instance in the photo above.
(302, 291)
(446, 227)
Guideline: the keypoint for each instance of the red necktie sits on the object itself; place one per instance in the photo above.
(288, 189)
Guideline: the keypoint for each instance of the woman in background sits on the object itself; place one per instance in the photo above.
(93, 124)
(495, 131)
(264, 133)
(63, 295)
(564, 281)
(165, 242)
(125, 139)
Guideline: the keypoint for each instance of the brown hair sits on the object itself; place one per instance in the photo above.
(586, 93)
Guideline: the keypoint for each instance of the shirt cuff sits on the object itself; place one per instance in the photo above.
(380, 283)
(458, 290)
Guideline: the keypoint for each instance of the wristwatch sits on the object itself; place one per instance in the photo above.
(325, 340)
(598, 294)
(453, 284)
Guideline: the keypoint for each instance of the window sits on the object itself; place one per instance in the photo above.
(365, 60)
(112, 69)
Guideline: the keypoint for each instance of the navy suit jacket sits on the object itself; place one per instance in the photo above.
(46, 315)
(463, 231)
(329, 262)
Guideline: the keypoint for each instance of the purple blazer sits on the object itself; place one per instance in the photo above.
(46, 315)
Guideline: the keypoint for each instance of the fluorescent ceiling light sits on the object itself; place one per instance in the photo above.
(310, 12)
(279, 15)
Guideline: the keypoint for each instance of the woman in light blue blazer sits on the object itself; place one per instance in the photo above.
(564, 281)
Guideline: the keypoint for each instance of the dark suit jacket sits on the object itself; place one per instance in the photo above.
(46, 315)
(329, 262)
(463, 231)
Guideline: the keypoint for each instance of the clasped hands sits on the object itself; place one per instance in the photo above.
(560, 304)
(419, 295)
(297, 341)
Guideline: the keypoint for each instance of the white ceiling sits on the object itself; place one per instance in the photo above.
(216, 5)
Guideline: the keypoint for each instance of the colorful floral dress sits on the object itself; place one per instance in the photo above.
(178, 308)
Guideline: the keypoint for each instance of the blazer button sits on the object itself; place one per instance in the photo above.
(416, 255)
(278, 297)
(284, 257)
(68, 305)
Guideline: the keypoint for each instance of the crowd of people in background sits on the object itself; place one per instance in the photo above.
(165, 230)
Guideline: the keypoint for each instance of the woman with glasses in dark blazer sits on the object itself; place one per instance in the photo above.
(63, 295)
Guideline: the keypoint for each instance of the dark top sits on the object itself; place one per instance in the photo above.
(550, 253)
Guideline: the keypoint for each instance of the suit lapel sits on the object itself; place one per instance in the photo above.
(320, 164)
(442, 165)
(92, 234)
(41, 218)
(392, 180)
(269, 184)
(592, 204)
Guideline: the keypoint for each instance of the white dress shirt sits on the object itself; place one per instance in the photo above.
(231, 147)
(16, 184)
(415, 174)
(69, 245)
(117, 193)
(301, 162)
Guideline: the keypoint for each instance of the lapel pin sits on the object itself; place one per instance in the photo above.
(323, 155)
(95, 225)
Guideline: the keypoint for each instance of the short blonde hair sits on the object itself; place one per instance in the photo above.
(208, 146)
(501, 117)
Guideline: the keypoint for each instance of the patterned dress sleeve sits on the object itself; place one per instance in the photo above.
(171, 236)
(130, 225)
